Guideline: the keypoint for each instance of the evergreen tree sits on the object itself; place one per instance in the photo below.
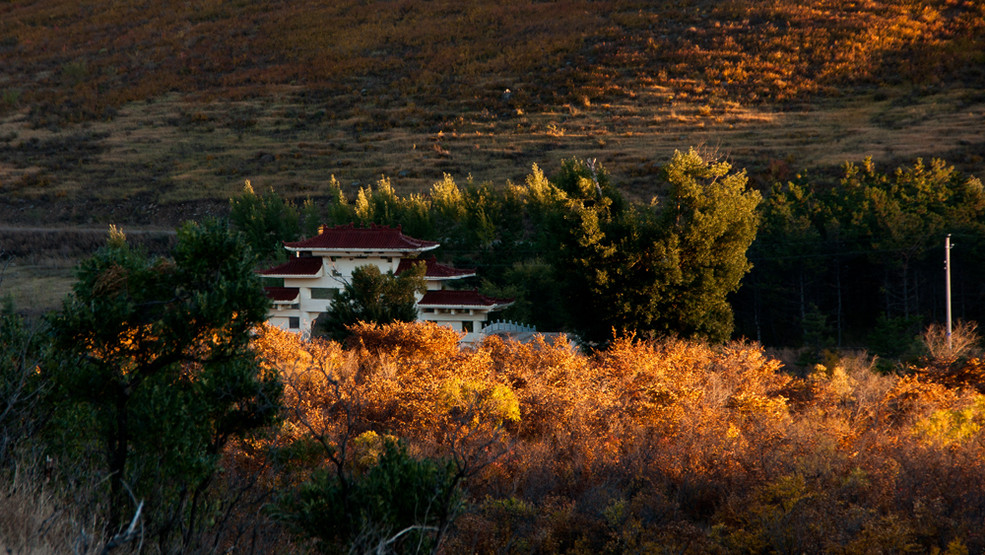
(153, 363)
(265, 220)
(711, 219)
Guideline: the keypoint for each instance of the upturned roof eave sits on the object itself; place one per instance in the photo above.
(316, 275)
(361, 250)
(273, 293)
(496, 306)
(444, 278)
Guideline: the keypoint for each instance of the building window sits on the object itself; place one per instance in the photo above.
(294, 322)
(323, 293)
(467, 326)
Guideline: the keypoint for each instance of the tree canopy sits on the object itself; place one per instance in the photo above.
(154, 372)
(861, 259)
(372, 296)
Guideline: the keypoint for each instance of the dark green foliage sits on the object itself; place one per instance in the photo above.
(869, 246)
(817, 332)
(588, 181)
(712, 219)
(22, 348)
(398, 505)
(153, 373)
(895, 338)
(376, 297)
(664, 269)
(266, 220)
(532, 285)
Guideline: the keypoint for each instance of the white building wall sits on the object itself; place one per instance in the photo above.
(281, 318)
(341, 267)
(456, 319)
(337, 272)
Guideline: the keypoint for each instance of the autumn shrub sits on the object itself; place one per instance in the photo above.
(943, 350)
(429, 341)
(646, 445)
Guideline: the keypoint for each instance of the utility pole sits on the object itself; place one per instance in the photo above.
(947, 286)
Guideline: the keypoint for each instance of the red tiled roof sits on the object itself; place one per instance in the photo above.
(349, 237)
(435, 270)
(447, 298)
(283, 294)
(297, 266)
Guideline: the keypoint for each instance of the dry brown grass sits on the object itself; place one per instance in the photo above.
(158, 157)
(37, 288)
(37, 520)
(37, 265)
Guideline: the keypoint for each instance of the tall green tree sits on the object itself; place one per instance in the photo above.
(154, 364)
(663, 268)
(710, 221)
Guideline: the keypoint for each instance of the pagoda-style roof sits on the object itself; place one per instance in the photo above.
(349, 238)
(461, 300)
(281, 294)
(304, 266)
(435, 271)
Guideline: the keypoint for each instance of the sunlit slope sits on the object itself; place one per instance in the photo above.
(155, 104)
(76, 59)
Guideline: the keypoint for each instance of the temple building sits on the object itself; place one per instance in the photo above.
(320, 266)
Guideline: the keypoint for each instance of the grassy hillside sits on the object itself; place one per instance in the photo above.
(151, 112)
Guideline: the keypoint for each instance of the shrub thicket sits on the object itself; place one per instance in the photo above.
(537, 447)
(649, 443)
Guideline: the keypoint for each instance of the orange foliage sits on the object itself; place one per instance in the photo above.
(964, 373)
(422, 341)
(913, 397)
(650, 443)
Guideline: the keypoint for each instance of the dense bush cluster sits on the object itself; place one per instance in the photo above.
(648, 445)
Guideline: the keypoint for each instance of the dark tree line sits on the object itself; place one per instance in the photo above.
(860, 262)
(854, 261)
